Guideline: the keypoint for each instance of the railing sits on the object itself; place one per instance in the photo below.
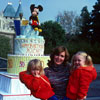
(7, 31)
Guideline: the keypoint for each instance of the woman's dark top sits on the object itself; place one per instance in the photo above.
(58, 77)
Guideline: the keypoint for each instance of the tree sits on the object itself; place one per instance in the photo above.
(53, 34)
(5, 46)
(85, 18)
(95, 22)
(69, 21)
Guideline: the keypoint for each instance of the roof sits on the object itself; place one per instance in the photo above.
(9, 11)
(19, 11)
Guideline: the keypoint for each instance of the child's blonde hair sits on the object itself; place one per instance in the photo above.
(35, 64)
(88, 59)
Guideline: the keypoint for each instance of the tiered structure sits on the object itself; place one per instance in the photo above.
(28, 45)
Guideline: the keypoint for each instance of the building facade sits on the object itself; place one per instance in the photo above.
(7, 18)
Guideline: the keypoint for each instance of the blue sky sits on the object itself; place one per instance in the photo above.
(51, 7)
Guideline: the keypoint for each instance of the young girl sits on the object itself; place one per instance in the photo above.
(36, 81)
(81, 77)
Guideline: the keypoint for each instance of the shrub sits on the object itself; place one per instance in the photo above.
(81, 45)
(5, 47)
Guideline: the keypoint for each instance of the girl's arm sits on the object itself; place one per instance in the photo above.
(30, 81)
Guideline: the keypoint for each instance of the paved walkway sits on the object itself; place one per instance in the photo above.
(97, 66)
(94, 90)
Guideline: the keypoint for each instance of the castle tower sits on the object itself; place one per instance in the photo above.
(19, 12)
(9, 11)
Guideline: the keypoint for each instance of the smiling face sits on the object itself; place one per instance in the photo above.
(79, 60)
(59, 59)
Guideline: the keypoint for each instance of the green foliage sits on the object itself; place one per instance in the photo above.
(95, 22)
(78, 44)
(85, 16)
(53, 34)
(5, 46)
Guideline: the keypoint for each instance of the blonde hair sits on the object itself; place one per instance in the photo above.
(35, 64)
(88, 59)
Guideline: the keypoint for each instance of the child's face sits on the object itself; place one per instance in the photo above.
(79, 61)
(35, 72)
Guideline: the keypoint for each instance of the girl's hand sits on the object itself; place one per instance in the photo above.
(36, 73)
(82, 99)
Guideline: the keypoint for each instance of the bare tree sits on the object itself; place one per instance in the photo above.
(70, 21)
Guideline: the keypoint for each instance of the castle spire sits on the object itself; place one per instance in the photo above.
(19, 1)
(19, 10)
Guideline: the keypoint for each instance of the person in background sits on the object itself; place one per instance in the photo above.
(35, 80)
(58, 71)
(82, 74)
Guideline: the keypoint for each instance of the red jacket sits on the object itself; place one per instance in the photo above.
(39, 86)
(79, 82)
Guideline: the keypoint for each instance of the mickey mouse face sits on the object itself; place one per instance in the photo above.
(35, 12)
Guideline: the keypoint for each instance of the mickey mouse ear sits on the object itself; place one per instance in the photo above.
(40, 7)
(32, 7)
